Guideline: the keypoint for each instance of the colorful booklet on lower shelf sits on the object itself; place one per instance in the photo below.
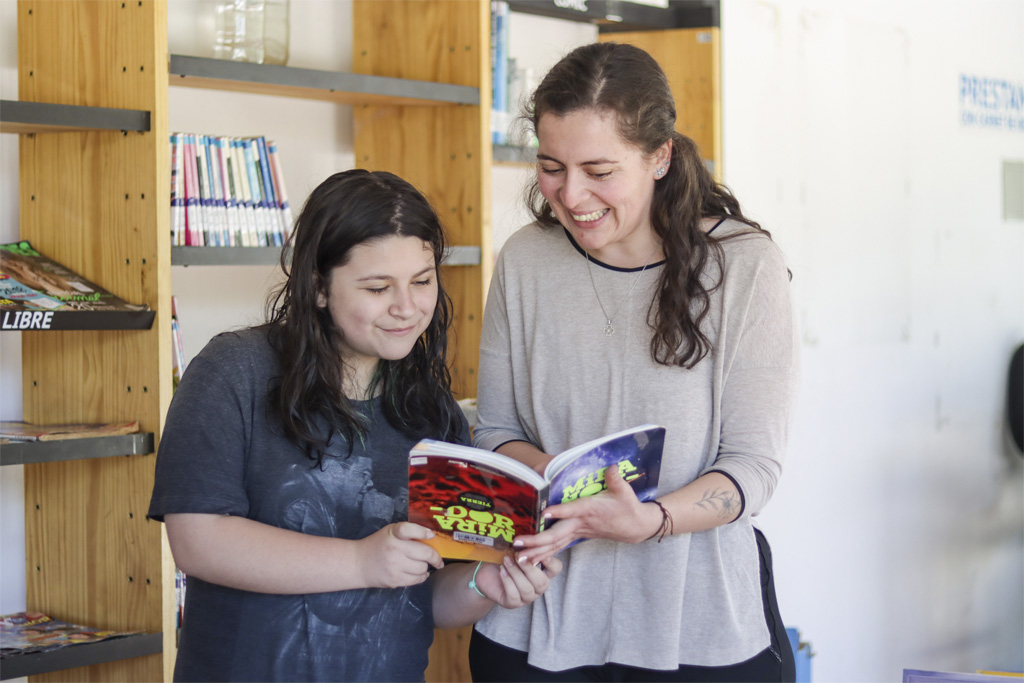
(24, 431)
(478, 501)
(28, 632)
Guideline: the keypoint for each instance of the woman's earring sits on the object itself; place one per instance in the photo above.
(660, 172)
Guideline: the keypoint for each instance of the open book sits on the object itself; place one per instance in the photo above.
(478, 501)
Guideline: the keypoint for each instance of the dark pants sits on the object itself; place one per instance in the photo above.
(490, 661)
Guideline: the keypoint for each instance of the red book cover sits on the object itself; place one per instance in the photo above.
(476, 505)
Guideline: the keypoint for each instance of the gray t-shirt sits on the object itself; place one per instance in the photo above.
(550, 376)
(221, 453)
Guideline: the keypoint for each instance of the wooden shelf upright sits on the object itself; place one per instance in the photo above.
(97, 201)
(443, 151)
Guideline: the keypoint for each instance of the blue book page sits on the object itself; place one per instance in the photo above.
(637, 452)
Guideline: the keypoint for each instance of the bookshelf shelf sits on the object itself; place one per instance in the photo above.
(225, 256)
(42, 117)
(30, 452)
(86, 654)
(288, 81)
(54, 321)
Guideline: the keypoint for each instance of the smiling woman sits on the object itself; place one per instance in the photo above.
(282, 473)
(640, 294)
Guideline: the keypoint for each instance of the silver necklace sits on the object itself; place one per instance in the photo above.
(609, 328)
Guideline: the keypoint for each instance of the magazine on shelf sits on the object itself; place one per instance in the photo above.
(478, 501)
(26, 431)
(41, 294)
(29, 632)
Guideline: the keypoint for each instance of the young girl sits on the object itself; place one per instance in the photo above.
(282, 471)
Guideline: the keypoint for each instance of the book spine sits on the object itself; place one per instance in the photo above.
(177, 197)
(193, 208)
(216, 194)
(287, 221)
(254, 190)
(230, 208)
(242, 177)
(274, 229)
(202, 178)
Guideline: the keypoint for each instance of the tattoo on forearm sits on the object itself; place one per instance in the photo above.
(722, 501)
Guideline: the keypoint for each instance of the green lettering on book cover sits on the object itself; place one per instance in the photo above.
(479, 522)
(593, 482)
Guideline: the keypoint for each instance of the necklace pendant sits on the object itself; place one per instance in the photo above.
(608, 329)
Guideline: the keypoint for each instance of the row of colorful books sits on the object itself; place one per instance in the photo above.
(227, 192)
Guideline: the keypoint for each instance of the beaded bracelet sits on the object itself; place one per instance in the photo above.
(667, 525)
(472, 581)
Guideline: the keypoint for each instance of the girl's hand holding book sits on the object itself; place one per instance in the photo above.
(395, 557)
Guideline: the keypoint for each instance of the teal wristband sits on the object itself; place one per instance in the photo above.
(472, 582)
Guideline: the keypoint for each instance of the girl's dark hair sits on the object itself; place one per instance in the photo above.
(348, 209)
(625, 80)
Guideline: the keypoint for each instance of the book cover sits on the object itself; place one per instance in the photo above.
(477, 501)
(23, 268)
(25, 431)
(27, 632)
(13, 293)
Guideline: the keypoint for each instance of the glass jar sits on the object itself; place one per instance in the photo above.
(252, 31)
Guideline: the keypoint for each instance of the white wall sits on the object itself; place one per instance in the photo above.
(898, 528)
